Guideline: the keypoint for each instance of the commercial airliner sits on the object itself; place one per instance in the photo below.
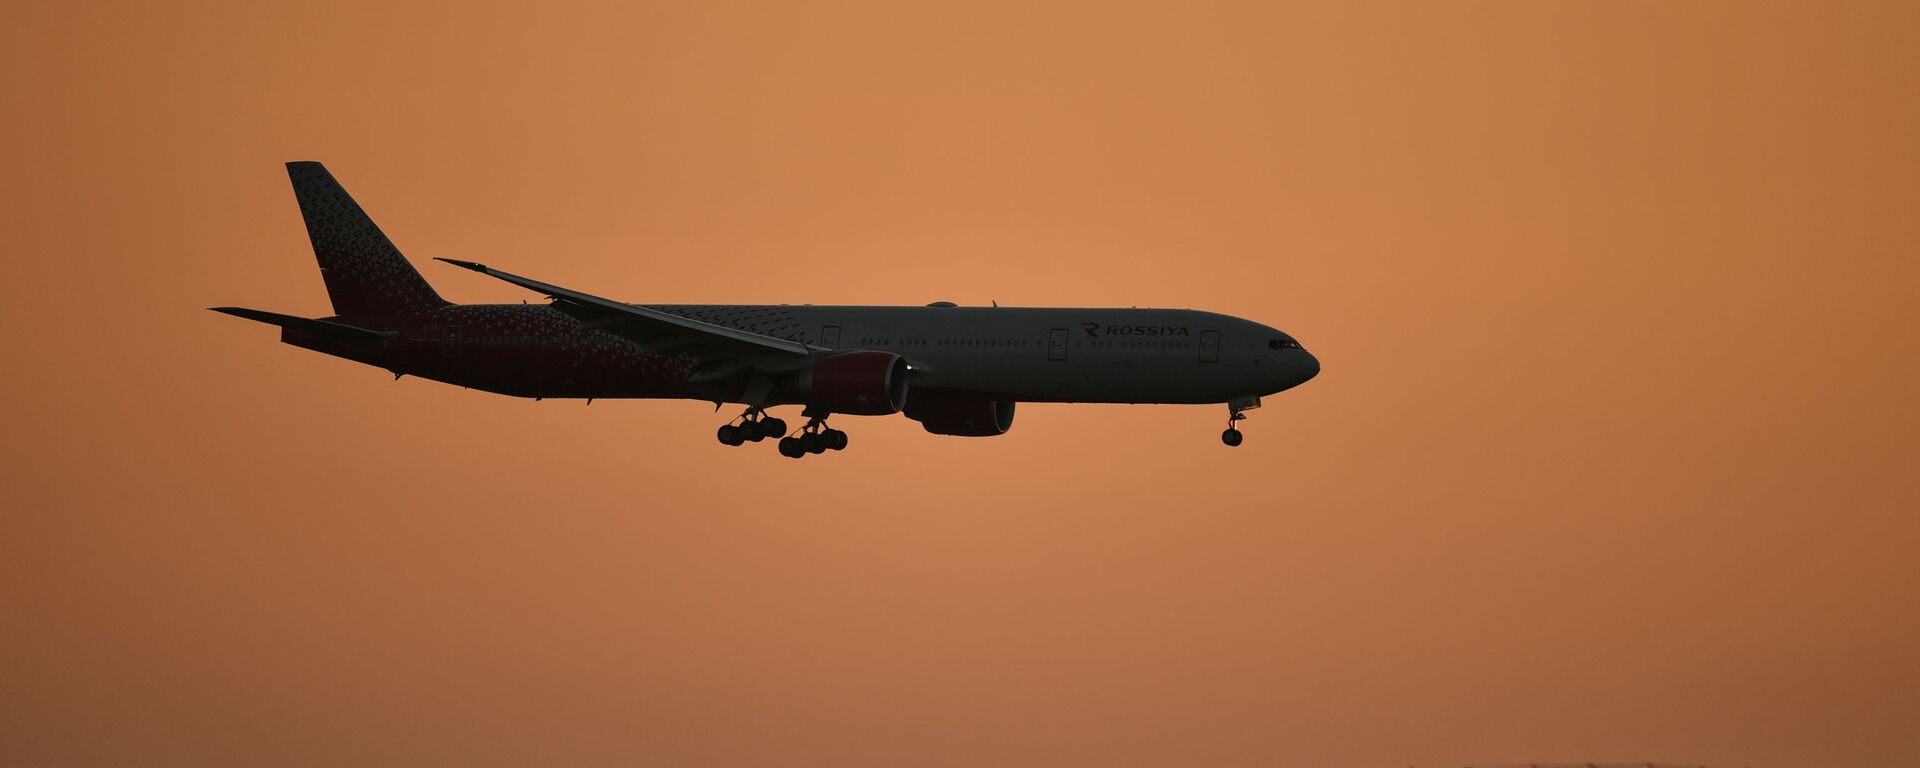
(956, 370)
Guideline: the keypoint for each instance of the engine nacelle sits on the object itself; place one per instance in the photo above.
(946, 412)
(861, 383)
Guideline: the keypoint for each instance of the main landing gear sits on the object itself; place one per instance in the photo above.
(755, 425)
(1232, 436)
(815, 437)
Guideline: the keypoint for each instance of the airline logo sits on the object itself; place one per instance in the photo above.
(1095, 330)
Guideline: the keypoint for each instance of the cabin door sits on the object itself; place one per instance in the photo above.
(1057, 344)
(1209, 346)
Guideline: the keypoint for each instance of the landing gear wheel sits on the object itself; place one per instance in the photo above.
(814, 437)
(751, 427)
(1232, 436)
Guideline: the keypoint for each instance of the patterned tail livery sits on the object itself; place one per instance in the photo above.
(365, 274)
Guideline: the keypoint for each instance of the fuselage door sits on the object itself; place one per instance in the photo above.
(830, 337)
(1209, 346)
(1057, 344)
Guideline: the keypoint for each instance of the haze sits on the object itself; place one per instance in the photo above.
(1612, 458)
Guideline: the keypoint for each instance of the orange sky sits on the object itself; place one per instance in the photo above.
(1612, 458)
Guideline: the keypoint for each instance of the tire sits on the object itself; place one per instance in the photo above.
(752, 431)
(1231, 437)
(814, 443)
(836, 440)
(772, 427)
(729, 435)
(790, 448)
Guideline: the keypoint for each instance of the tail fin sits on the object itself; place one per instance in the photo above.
(365, 274)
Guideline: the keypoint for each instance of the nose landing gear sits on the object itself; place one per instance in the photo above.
(1232, 436)
(755, 425)
(815, 437)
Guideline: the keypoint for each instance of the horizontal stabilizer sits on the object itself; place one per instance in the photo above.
(322, 327)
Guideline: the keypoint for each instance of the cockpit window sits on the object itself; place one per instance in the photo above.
(1283, 344)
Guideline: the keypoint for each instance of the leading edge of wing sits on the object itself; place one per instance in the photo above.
(642, 314)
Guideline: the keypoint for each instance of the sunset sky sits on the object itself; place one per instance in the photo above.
(1613, 458)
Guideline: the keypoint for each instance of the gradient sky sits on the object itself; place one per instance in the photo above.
(1613, 458)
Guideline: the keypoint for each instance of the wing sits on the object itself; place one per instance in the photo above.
(643, 324)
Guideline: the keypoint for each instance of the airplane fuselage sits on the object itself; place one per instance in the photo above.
(1120, 355)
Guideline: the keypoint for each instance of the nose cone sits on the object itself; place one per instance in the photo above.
(1292, 368)
(1304, 365)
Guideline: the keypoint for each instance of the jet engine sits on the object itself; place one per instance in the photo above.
(946, 412)
(861, 383)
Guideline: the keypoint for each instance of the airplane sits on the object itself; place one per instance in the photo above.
(956, 370)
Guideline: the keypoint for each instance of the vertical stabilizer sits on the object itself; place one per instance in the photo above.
(365, 274)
